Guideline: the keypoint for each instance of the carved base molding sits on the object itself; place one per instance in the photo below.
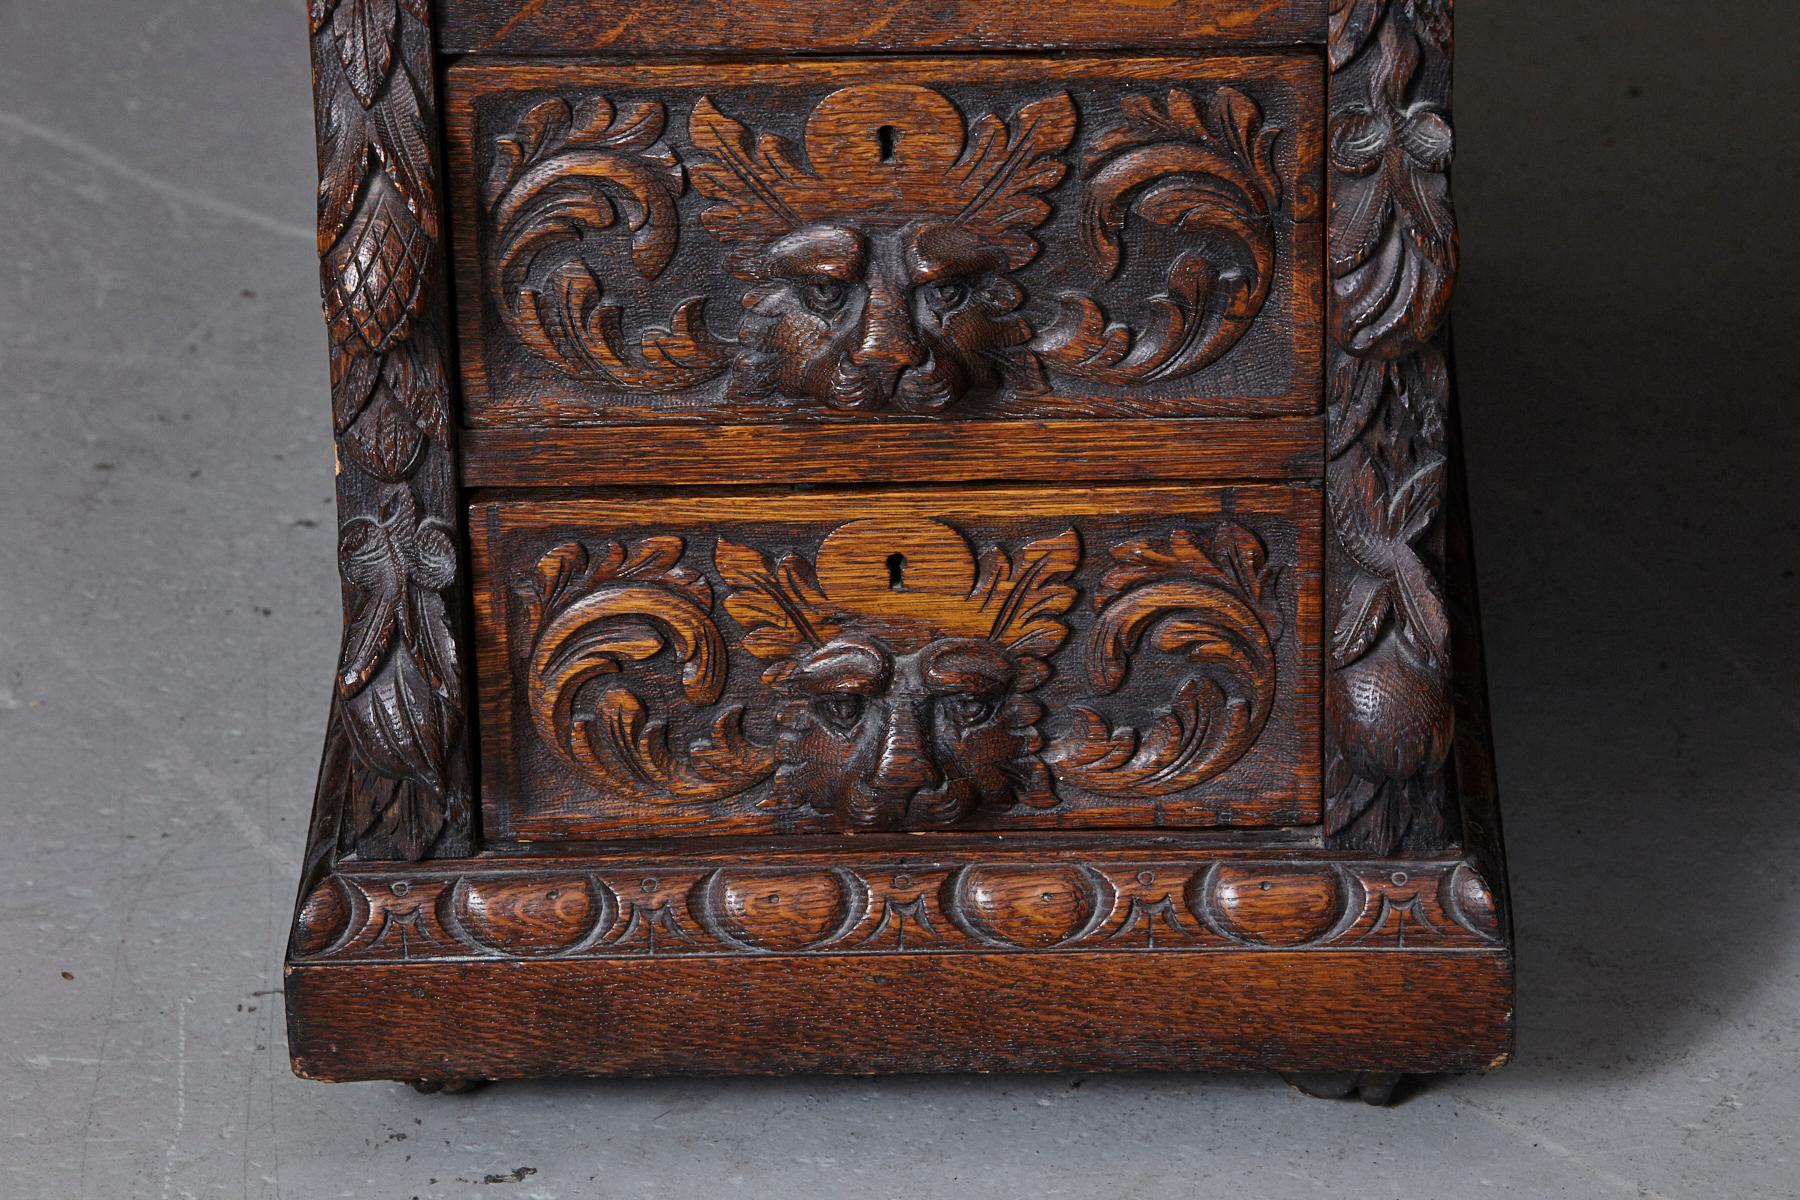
(500, 967)
(818, 903)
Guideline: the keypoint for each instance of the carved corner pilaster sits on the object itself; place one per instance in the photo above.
(1391, 263)
(396, 766)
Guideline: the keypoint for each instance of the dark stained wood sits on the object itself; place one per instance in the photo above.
(653, 27)
(969, 568)
(951, 895)
(1407, 1011)
(853, 240)
(398, 741)
(999, 657)
(677, 454)
(1391, 263)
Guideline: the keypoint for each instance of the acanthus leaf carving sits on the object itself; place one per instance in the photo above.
(597, 620)
(1215, 604)
(879, 245)
(563, 176)
(902, 666)
(1207, 176)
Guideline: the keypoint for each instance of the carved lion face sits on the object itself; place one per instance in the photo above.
(891, 740)
(857, 319)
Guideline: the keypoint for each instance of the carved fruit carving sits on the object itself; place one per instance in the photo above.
(901, 665)
(878, 251)
(1392, 255)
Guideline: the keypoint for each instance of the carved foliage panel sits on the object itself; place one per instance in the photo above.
(872, 905)
(788, 241)
(981, 659)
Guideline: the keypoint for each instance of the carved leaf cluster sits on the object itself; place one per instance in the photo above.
(598, 619)
(1393, 247)
(1007, 169)
(399, 681)
(1029, 592)
(1207, 176)
(776, 601)
(563, 177)
(1214, 601)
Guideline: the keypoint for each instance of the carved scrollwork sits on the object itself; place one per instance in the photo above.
(1215, 605)
(564, 176)
(901, 668)
(598, 619)
(1392, 254)
(1207, 176)
(879, 248)
(401, 771)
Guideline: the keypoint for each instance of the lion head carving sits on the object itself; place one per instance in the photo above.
(879, 255)
(903, 668)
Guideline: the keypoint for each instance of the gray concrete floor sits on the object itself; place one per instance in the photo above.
(168, 617)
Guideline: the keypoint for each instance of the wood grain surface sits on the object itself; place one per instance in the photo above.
(736, 663)
(653, 27)
(850, 240)
(1416, 1011)
(679, 454)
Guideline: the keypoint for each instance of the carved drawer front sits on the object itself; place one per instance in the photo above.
(972, 659)
(889, 239)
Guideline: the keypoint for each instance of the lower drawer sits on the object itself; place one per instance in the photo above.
(980, 658)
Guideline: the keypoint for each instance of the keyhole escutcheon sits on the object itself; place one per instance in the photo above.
(896, 565)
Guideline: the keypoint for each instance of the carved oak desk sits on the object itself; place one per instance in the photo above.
(884, 536)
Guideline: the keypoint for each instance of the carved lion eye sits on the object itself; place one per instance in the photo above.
(823, 296)
(839, 713)
(967, 711)
(948, 293)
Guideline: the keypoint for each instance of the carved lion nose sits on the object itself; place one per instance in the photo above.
(888, 346)
(904, 767)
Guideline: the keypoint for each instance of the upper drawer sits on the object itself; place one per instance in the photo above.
(684, 26)
(888, 239)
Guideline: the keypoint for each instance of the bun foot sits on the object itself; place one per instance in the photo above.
(1372, 1087)
(447, 1087)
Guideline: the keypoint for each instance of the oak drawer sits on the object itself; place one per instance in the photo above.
(992, 658)
(904, 239)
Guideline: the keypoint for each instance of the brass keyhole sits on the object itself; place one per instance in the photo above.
(896, 565)
(885, 137)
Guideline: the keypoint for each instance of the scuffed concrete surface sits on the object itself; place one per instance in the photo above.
(168, 618)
